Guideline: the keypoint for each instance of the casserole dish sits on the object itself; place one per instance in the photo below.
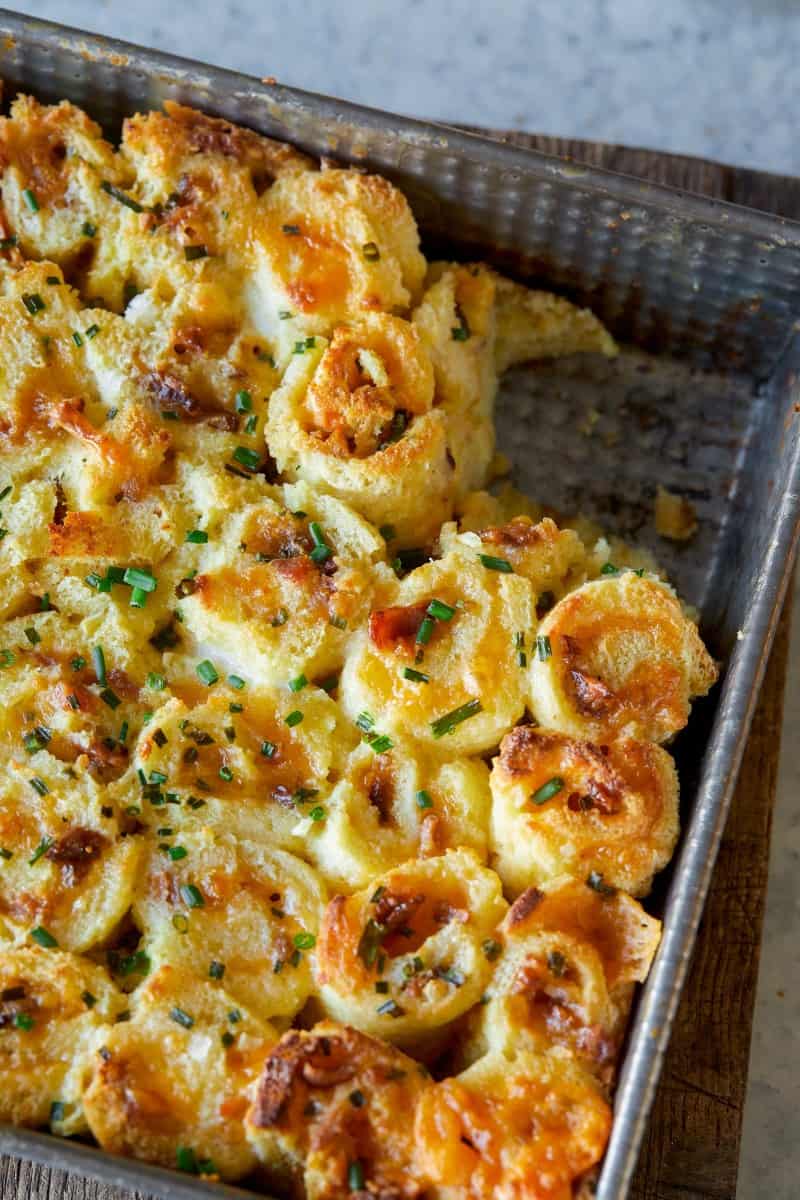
(671, 273)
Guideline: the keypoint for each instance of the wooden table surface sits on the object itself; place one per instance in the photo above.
(691, 1151)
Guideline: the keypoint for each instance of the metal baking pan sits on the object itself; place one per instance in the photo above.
(714, 414)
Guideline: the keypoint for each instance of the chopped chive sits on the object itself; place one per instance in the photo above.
(491, 949)
(88, 999)
(77, 663)
(32, 635)
(317, 813)
(198, 537)
(247, 458)
(186, 1160)
(156, 682)
(297, 684)
(43, 938)
(440, 610)
(216, 970)
(53, 281)
(99, 663)
(425, 631)
(365, 721)
(7, 658)
(244, 401)
(191, 895)
(236, 681)
(381, 744)
(556, 963)
(424, 799)
(519, 643)
(370, 251)
(355, 1174)
(137, 578)
(280, 618)
(268, 749)
(595, 881)
(251, 424)
(207, 672)
(41, 849)
(290, 230)
(5, 853)
(548, 790)
(110, 698)
(496, 564)
(8, 243)
(176, 853)
(609, 569)
(226, 773)
(192, 253)
(88, 229)
(415, 676)
(91, 331)
(227, 1038)
(284, 314)
(388, 532)
(294, 718)
(39, 786)
(304, 940)
(448, 723)
(543, 648)
(138, 597)
(338, 622)
(30, 199)
(121, 196)
(181, 1017)
(389, 1008)
(33, 303)
(23, 1021)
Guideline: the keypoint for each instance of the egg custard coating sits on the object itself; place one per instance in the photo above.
(625, 662)
(406, 955)
(564, 805)
(456, 324)
(567, 957)
(354, 418)
(204, 896)
(54, 1007)
(330, 246)
(532, 324)
(440, 660)
(332, 1114)
(229, 760)
(275, 593)
(169, 1085)
(528, 1129)
(393, 805)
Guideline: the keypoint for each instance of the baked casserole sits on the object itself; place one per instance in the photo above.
(332, 779)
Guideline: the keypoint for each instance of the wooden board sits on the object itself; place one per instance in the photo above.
(691, 1151)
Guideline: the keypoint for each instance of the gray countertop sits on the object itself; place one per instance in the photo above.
(717, 78)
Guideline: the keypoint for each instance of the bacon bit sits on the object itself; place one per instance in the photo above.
(122, 684)
(521, 745)
(519, 532)
(107, 762)
(393, 911)
(380, 792)
(319, 1061)
(593, 698)
(61, 508)
(170, 393)
(75, 852)
(396, 626)
(191, 338)
(444, 913)
(523, 906)
(431, 835)
(605, 797)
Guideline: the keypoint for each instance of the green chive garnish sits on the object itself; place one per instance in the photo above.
(355, 1173)
(30, 199)
(548, 790)
(440, 610)
(181, 1017)
(192, 253)
(110, 698)
(595, 881)
(23, 1021)
(496, 564)
(42, 848)
(543, 648)
(88, 229)
(137, 578)
(176, 853)
(191, 895)
(198, 537)
(370, 251)
(268, 748)
(415, 676)
(247, 458)
(236, 681)
(297, 685)
(216, 969)
(381, 744)
(447, 723)
(244, 401)
(424, 799)
(304, 940)
(122, 197)
(294, 718)
(43, 938)
(425, 631)
(99, 663)
(207, 672)
(39, 786)
(33, 302)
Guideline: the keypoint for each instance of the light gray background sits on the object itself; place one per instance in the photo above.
(717, 78)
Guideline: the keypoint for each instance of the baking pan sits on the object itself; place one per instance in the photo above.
(706, 401)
